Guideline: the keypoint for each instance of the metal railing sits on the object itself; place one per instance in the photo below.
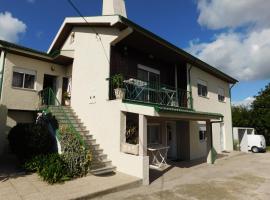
(140, 91)
(47, 99)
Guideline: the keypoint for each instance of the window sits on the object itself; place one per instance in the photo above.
(152, 79)
(202, 88)
(221, 95)
(23, 78)
(202, 132)
(153, 131)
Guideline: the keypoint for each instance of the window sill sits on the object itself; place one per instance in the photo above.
(221, 101)
(206, 97)
(25, 89)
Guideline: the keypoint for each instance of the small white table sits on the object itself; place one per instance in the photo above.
(158, 150)
(139, 86)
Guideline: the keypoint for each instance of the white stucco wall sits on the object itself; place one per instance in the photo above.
(101, 116)
(25, 99)
(211, 104)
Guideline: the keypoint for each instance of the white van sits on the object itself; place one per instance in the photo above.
(256, 143)
(245, 139)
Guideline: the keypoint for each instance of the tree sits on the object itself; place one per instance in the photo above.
(241, 116)
(257, 116)
(261, 113)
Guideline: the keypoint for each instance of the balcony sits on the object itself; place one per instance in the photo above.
(150, 93)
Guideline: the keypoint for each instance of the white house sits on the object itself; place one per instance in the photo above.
(172, 98)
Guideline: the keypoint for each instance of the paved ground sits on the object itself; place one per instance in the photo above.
(15, 185)
(240, 176)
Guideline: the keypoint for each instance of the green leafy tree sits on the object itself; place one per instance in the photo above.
(261, 113)
(241, 116)
(257, 116)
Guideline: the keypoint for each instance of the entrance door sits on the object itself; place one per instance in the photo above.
(50, 82)
(222, 145)
(171, 139)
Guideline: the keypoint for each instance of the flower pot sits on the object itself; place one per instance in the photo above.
(130, 148)
(120, 93)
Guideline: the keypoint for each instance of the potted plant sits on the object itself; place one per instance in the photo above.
(131, 145)
(119, 91)
(66, 97)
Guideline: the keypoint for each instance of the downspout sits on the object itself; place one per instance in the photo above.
(190, 88)
(230, 93)
(2, 64)
(176, 84)
(211, 135)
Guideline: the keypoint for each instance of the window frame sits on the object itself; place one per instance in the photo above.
(25, 72)
(149, 134)
(203, 84)
(221, 95)
(202, 129)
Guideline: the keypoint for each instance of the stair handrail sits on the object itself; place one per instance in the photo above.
(47, 96)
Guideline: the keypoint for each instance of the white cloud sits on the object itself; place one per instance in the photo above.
(217, 14)
(246, 102)
(244, 55)
(10, 27)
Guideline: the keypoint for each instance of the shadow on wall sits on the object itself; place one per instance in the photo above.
(4, 129)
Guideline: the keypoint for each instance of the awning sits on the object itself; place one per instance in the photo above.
(187, 113)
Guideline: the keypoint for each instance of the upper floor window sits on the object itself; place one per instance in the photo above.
(221, 94)
(23, 78)
(150, 75)
(202, 88)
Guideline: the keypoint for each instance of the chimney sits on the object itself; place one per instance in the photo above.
(114, 7)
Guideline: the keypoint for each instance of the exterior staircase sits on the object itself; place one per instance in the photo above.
(100, 163)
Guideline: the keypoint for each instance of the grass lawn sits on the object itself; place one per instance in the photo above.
(268, 148)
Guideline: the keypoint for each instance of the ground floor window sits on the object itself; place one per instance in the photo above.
(23, 78)
(202, 132)
(132, 128)
(153, 134)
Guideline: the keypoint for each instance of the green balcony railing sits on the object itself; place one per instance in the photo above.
(48, 99)
(156, 93)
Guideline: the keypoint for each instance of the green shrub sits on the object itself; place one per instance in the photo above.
(29, 140)
(51, 167)
(75, 155)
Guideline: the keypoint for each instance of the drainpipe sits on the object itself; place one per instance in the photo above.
(2, 64)
(230, 93)
(190, 88)
(211, 135)
(176, 84)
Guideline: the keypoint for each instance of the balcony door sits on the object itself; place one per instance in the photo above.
(152, 78)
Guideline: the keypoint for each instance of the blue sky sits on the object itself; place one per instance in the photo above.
(193, 25)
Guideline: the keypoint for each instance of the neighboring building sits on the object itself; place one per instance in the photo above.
(172, 98)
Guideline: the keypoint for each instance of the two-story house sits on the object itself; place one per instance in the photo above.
(174, 105)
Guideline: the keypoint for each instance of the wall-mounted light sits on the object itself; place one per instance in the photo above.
(53, 68)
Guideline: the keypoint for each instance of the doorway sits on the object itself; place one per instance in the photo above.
(222, 145)
(171, 140)
(49, 82)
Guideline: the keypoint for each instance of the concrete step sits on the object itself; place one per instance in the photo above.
(90, 141)
(99, 156)
(103, 170)
(75, 124)
(64, 121)
(100, 163)
(97, 152)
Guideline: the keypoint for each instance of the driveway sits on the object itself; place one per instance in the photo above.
(238, 176)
